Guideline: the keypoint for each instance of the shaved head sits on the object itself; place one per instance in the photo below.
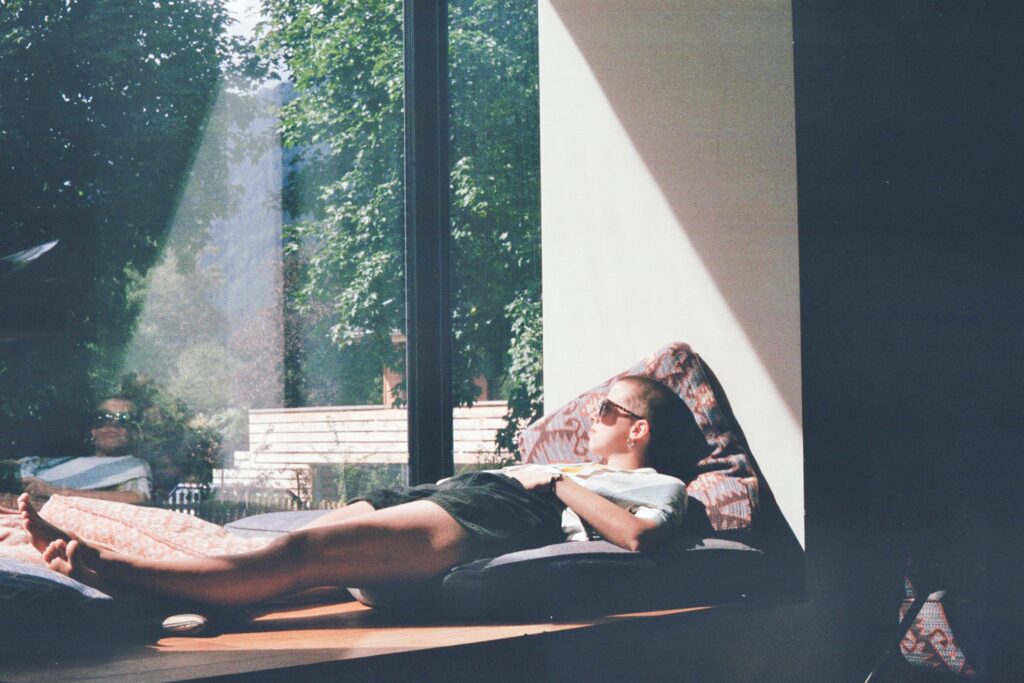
(676, 441)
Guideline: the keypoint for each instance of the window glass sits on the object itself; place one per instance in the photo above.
(495, 213)
(202, 213)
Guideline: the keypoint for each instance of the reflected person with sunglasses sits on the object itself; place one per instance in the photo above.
(113, 472)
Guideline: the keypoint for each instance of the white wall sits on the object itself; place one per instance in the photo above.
(668, 169)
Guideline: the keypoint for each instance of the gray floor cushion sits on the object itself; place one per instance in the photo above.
(564, 579)
(584, 578)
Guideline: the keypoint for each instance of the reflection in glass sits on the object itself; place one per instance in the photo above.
(225, 197)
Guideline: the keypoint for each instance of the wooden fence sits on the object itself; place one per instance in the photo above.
(363, 434)
(314, 452)
(235, 503)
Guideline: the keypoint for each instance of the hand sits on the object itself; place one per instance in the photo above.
(536, 480)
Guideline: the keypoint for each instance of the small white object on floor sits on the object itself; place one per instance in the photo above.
(185, 624)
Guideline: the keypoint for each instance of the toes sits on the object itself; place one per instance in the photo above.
(57, 549)
(74, 557)
(60, 565)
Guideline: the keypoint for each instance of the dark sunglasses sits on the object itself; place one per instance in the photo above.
(105, 418)
(605, 404)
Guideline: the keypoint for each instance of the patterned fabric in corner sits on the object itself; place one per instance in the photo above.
(930, 643)
(723, 480)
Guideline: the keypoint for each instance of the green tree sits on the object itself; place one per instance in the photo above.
(343, 123)
(344, 193)
(496, 201)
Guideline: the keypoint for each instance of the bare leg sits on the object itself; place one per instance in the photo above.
(360, 507)
(407, 542)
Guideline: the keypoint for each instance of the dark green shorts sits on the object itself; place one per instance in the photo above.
(498, 513)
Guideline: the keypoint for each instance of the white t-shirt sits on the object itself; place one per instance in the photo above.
(643, 492)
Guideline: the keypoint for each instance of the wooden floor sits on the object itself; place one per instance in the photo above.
(301, 636)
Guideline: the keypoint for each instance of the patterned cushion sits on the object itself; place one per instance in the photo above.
(144, 531)
(723, 481)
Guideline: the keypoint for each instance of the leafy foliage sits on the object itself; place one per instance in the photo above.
(344, 268)
(344, 194)
(496, 202)
(525, 387)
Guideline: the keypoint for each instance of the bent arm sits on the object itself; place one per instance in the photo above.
(38, 487)
(615, 524)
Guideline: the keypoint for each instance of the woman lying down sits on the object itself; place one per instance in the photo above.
(405, 534)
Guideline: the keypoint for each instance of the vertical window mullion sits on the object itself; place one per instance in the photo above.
(427, 241)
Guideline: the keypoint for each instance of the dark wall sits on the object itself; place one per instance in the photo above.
(909, 148)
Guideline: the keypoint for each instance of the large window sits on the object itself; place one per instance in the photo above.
(204, 208)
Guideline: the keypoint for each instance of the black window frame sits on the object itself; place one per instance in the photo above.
(428, 280)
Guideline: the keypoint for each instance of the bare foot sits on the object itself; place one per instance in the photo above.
(70, 559)
(41, 532)
(55, 555)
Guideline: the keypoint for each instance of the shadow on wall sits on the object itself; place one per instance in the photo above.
(705, 96)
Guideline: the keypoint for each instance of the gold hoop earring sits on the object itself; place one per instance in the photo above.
(629, 442)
